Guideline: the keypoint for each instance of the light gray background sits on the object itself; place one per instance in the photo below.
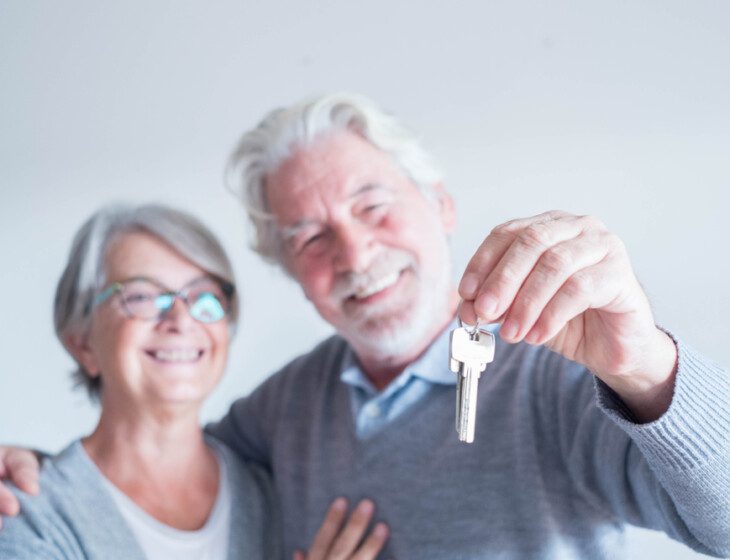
(616, 109)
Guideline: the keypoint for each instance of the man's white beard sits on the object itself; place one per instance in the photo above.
(388, 330)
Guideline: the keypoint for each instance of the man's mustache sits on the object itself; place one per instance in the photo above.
(386, 263)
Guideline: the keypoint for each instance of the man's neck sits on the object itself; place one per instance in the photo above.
(381, 370)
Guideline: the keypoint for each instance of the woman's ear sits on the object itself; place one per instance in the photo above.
(78, 346)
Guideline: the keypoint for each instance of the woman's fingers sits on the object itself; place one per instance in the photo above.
(373, 544)
(328, 530)
(337, 540)
(353, 532)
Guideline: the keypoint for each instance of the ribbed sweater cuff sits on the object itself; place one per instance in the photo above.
(695, 429)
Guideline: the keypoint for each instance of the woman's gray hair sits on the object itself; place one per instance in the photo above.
(282, 131)
(85, 276)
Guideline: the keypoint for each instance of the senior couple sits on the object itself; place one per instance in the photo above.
(589, 419)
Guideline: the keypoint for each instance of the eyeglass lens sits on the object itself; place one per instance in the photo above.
(145, 300)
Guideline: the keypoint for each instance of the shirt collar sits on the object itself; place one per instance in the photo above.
(432, 366)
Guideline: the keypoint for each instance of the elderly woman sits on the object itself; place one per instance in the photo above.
(146, 306)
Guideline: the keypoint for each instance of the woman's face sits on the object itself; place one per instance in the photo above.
(173, 360)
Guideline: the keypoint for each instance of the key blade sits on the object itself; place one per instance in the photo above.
(467, 414)
(459, 394)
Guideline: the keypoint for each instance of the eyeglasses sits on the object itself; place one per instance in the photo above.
(207, 300)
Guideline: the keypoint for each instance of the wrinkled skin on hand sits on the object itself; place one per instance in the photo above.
(565, 281)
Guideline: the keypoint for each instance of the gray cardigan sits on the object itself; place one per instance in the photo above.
(75, 517)
(556, 471)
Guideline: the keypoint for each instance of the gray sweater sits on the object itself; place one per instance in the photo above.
(557, 469)
(75, 517)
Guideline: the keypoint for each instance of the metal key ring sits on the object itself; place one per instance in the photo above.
(471, 330)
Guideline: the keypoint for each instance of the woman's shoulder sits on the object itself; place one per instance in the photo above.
(39, 527)
(59, 474)
(71, 517)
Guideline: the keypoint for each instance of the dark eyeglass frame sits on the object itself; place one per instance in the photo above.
(227, 288)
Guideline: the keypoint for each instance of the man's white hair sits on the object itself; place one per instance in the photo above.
(262, 149)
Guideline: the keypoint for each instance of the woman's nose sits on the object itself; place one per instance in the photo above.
(177, 317)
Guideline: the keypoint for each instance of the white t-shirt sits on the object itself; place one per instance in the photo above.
(162, 542)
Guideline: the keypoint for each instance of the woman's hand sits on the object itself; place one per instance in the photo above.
(335, 542)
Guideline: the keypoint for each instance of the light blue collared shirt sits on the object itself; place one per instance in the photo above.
(372, 410)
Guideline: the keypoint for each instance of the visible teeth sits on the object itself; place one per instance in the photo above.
(375, 287)
(176, 355)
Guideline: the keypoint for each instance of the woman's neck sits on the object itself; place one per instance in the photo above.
(126, 439)
(159, 460)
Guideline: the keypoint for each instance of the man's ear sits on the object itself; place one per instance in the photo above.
(78, 346)
(447, 209)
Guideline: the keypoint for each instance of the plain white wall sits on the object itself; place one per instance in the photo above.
(616, 109)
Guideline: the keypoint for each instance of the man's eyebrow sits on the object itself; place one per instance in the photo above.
(288, 232)
(367, 187)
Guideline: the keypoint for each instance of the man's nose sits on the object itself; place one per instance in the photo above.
(355, 248)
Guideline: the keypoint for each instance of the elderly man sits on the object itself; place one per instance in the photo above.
(589, 418)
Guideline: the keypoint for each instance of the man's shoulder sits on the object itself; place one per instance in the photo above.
(246, 476)
(295, 385)
(324, 360)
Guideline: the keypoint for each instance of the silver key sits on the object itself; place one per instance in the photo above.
(470, 352)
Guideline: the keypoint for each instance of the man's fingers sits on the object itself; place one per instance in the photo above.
(469, 316)
(20, 466)
(353, 532)
(22, 469)
(467, 313)
(491, 250)
(485, 258)
(329, 530)
(9, 504)
(588, 288)
(554, 267)
(375, 542)
(502, 283)
(298, 555)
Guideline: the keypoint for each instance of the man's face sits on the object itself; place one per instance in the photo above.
(369, 250)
